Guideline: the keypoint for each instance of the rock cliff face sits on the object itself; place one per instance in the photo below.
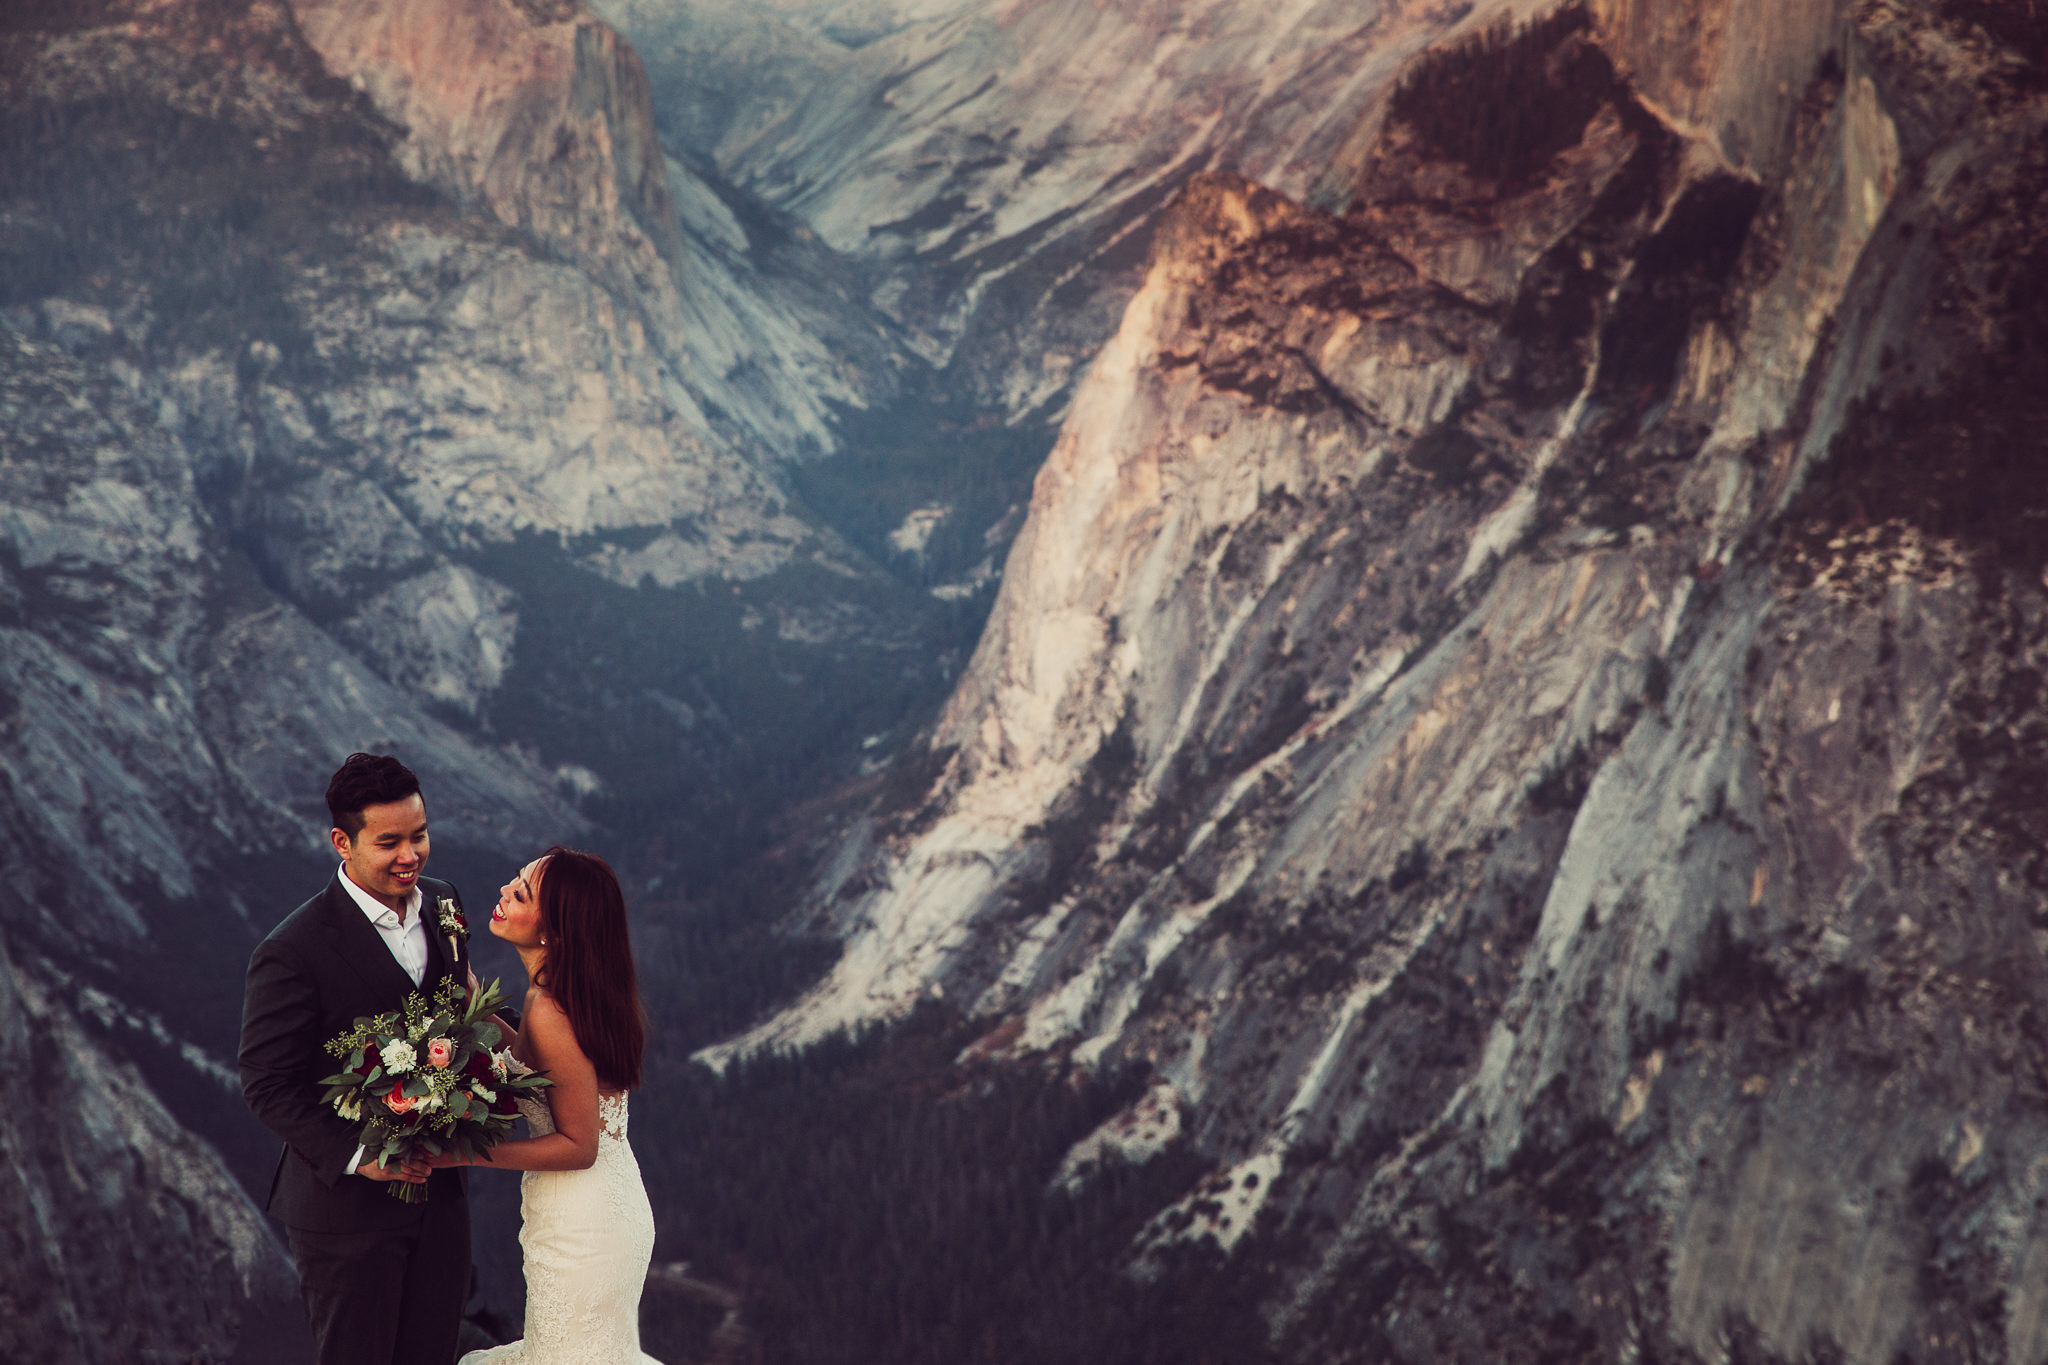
(1521, 700)
(537, 111)
(1517, 702)
(540, 114)
(338, 411)
(445, 307)
(1001, 165)
(164, 718)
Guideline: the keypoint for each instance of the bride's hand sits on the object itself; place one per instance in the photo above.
(441, 1161)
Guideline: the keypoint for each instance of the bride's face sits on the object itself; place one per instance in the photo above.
(516, 917)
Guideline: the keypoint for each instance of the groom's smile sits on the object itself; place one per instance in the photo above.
(386, 856)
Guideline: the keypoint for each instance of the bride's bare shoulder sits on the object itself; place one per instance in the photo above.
(544, 1011)
(548, 1025)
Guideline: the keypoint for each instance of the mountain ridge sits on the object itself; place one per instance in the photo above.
(301, 449)
(1506, 741)
(1002, 190)
(1458, 709)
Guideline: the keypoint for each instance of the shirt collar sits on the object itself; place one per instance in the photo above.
(376, 909)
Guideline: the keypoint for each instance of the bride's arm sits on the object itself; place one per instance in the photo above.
(551, 1043)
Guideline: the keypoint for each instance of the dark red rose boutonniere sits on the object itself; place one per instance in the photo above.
(453, 923)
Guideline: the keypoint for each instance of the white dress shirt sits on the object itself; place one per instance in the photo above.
(407, 941)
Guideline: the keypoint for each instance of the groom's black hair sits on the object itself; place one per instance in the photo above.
(366, 780)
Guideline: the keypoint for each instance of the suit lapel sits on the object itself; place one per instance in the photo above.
(358, 943)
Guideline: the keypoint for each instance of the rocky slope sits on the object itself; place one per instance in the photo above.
(540, 114)
(1512, 720)
(1519, 701)
(332, 420)
(166, 720)
(1001, 165)
(387, 322)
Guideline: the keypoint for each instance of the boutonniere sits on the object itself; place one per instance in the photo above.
(452, 922)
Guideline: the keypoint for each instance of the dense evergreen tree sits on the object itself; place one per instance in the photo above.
(1505, 101)
(872, 1200)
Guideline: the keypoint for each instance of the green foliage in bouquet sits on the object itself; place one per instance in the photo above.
(429, 1076)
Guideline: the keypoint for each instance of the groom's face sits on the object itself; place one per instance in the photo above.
(386, 857)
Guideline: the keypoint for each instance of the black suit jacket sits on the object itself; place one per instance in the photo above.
(315, 974)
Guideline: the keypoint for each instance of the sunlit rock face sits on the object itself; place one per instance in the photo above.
(1521, 700)
(539, 114)
(1002, 164)
(536, 110)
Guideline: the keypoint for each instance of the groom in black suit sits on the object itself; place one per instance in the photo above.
(383, 1280)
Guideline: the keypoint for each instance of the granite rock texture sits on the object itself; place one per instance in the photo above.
(1520, 700)
(1000, 166)
(1517, 701)
(320, 381)
(165, 721)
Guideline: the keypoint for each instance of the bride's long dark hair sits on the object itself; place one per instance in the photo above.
(589, 964)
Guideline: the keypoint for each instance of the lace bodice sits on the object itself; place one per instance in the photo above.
(533, 1107)
(540, 1117)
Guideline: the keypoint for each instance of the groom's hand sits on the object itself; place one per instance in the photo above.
(402, 1171)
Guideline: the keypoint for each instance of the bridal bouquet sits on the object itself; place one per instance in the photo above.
(429, 1075)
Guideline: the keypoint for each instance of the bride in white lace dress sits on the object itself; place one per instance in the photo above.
(587, 1230)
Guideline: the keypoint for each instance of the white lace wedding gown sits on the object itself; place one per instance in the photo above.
(588, 1236)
